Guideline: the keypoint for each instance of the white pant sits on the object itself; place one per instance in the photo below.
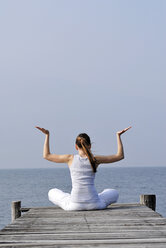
(63, 200)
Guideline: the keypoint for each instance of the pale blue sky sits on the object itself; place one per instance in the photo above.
(82, 66)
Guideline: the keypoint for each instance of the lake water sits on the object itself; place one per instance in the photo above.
(32, 185)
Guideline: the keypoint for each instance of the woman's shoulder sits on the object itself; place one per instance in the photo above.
(72, 158)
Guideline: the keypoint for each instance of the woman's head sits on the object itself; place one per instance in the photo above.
(83, 142)
(83, 137)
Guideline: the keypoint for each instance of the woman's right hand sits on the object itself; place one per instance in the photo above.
(43, 130)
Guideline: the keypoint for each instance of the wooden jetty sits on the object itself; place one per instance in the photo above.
(120, 225)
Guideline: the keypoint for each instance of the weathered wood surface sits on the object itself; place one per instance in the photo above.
(121, 225)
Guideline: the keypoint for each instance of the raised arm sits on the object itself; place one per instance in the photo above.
(116, 157)
(66, 158)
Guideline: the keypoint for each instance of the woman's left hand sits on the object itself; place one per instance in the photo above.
(123, 131)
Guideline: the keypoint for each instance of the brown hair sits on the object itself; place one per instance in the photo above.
(83, 142)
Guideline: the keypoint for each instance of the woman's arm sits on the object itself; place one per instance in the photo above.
(66, 158)
(46, 148)
(116, 157)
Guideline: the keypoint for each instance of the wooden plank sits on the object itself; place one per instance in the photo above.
(101, 241)
(114, 223)
(147, 245)
(25, 237)
(90, 219)
(82, 230)
(109, 214)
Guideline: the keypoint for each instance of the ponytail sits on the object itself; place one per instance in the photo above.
(89, 155)
(83, 141)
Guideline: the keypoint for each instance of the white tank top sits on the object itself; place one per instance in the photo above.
(82, 176)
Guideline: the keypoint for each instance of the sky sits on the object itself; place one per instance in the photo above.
(82, 66)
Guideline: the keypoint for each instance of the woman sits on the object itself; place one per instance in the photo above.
(83, 167)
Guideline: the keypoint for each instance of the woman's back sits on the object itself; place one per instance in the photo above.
(83, 189)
